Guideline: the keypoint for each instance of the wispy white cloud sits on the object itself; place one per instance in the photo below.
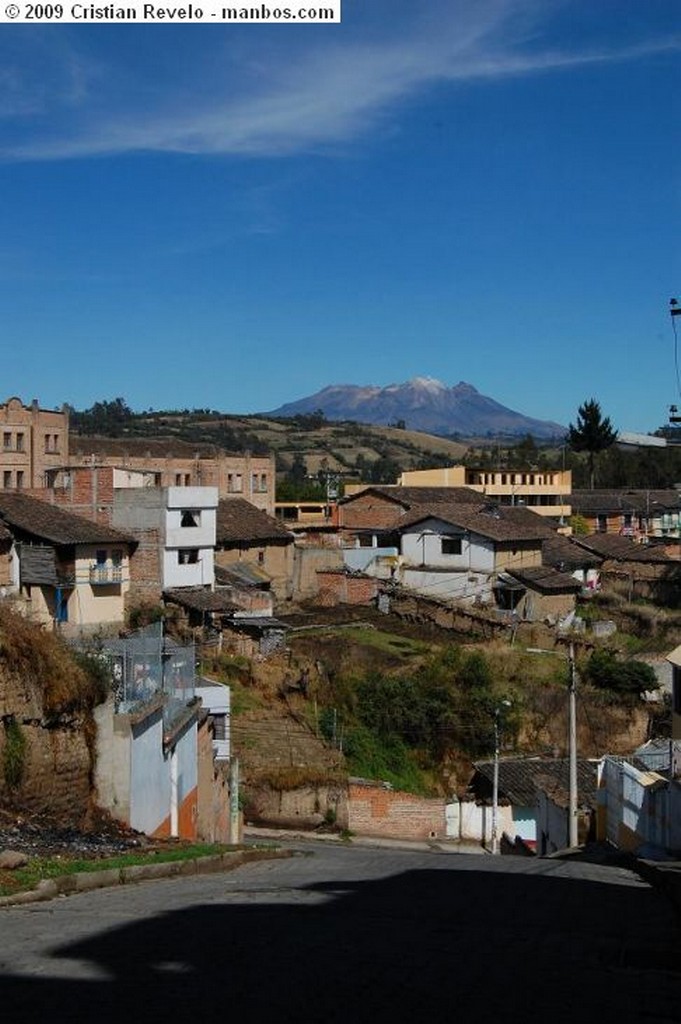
(330, 93)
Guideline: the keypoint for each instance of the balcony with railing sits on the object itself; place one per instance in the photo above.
(103, 575)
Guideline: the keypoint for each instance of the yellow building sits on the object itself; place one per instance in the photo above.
(546, 492)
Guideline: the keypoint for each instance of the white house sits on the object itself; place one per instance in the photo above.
(176, 530)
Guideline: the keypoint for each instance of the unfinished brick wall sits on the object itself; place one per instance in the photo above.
(339, 588)
(369, 511)
(374, 810)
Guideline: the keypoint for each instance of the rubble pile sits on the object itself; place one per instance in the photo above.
(42, 837)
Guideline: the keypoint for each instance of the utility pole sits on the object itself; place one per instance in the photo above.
(573, 795)
(573, 822)
(495, 777)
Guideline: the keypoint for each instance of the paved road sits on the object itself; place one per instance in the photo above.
(351, 934)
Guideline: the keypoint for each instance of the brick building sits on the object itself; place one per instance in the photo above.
(177, 463)
(34, 441)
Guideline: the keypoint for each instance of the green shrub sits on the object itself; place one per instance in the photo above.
(628, 677)
(14, 754)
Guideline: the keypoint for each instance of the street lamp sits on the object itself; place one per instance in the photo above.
(573, 809)
(495, 777)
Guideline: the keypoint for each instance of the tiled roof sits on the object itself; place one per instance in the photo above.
(545, 579)
(563, 554)
(242, 574)
(613, 501)
(410, 496)
(21, 512)
(622, 549)
(200, 599)
(521, 777)
(238, 520)
(497, 522)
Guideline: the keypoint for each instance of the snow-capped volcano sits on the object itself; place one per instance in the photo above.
(423, 403)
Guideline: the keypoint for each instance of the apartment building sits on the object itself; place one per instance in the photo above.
(34, 441)
(546, 492)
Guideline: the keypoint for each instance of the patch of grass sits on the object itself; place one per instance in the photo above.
(367, 636)
(389, 760)
(245, 698)
(39, 868)
(13, 754)
(287, 779)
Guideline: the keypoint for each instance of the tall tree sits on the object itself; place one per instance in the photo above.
(592, 433)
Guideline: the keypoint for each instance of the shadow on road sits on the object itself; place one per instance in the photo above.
(441, 945)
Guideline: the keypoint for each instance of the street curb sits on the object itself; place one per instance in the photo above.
(87, 881)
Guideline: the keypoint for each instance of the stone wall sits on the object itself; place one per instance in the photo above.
(306, 807)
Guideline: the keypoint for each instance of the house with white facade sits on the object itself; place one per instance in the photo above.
(175, 528)
(485, 554)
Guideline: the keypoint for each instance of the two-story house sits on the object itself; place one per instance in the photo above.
(65, 569)
(486, 555)
(248, 537)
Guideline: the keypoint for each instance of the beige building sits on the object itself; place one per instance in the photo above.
(34, 441)
(245, 537)
(64, 570)
(546, 492)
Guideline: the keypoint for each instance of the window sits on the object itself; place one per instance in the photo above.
(261, 557)
(7, 440)
(220, 727)
(234, 483)
(20, 479)
(7, 479)
(188, 556)
(263, 481)
(178, 479)
(101, 557)
(48, 443)
(190, 518)
(602, 523)
(20, 442)
(451, 546)
(117, 559)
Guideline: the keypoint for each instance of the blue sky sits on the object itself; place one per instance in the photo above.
(235, 217)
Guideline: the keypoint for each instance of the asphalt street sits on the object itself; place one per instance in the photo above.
(348, 934)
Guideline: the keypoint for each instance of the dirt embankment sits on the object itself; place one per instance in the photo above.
(46, 725)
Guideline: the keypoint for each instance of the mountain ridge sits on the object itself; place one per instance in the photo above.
(424, 404)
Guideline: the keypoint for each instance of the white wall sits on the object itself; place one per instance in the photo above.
(200, 536)
(456, 585)
(216, 698)
(200, 573)
(422, 545)
(149, 776)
